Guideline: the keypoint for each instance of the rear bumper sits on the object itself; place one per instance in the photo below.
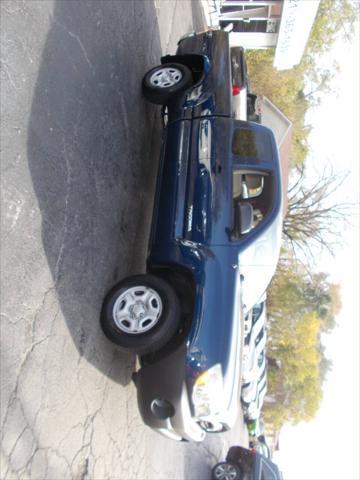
(163, 383)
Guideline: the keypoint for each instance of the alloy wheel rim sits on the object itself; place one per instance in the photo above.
(225, 472)
(166, 77)
(137, 310)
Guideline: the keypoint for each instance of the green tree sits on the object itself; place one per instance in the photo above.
(301, 307)
(282, 88)
(334, 18)
(325, 299)
(296, 384)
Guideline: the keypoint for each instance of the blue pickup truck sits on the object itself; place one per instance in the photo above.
(213, 250)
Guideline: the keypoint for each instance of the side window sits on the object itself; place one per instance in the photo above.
(237, 184)
(252, 188)
(251, 200)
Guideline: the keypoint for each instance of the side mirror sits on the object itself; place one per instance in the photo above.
(244, 218)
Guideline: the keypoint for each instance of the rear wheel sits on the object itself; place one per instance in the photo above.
(161, 83)
(226, 471)
(141, 314)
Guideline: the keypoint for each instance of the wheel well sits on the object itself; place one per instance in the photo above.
(194, 62)
(182, 281)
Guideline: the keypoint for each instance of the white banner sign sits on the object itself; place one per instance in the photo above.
(296, 22)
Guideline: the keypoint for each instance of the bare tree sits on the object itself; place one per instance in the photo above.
(313, 221)
(320, 83)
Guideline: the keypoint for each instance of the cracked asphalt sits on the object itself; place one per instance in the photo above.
(79, 156)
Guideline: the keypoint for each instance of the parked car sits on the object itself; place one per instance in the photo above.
(214, 246)
(255, 427)
(240, 83)
(250, 389)
(246, 105)
(252, 317)
(254, 348)
(255, 358)
(257, 440)
(260, 446)
(242, 463)
(252, 410)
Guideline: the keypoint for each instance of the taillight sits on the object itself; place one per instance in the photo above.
(253, 451)
(236, 90)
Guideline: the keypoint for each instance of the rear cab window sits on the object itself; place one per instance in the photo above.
(254, 146)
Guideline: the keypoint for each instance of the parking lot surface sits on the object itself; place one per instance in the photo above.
(79, 156)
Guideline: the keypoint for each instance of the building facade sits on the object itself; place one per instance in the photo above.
(283, 24)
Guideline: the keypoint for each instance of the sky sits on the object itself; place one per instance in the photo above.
(327, 448)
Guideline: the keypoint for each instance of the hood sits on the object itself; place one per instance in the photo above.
(258, 262)
(219, 334)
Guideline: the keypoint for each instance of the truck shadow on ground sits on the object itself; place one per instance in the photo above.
(93, 147)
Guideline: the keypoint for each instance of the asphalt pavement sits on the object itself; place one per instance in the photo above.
(79, 157)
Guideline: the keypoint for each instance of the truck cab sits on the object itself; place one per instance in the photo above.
(213, 248)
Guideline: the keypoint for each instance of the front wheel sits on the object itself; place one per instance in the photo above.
(141, 314)
(226, 471)
(161, 83)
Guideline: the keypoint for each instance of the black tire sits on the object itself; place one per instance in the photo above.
(163, 95)
(237, 475)
(162, 331)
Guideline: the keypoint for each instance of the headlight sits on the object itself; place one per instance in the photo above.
(207, 395)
